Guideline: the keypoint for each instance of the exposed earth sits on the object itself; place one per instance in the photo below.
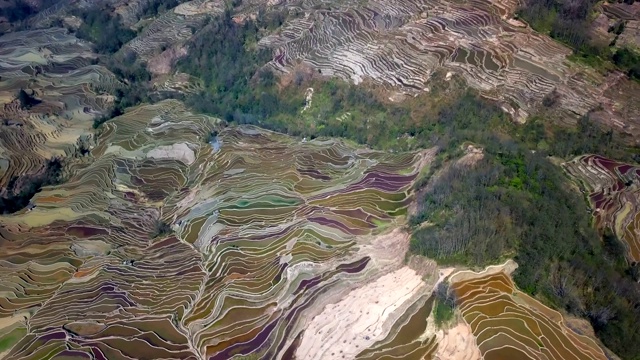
(276, 208)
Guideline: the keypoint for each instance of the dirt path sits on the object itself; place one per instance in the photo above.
(457, 343)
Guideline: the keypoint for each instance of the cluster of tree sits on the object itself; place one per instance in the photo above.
(156, 7)
(564, 20)
(514, 202)
(628, 60)
(445, 303)
(369, 121)
(133, 88)
(18, 11)
(27, 99)
(224, 56)
(160, 228)
(624, 58)
(20, 190)
(567, 20)
(340, 110)
(588, 137)
(103, 27)
(241, 90)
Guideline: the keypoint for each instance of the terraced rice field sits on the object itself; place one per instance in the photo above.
(59, 70)
(401, 43)
(614, 196)
(406, 343)
(173, 27)
(509, 324)
(263, 227)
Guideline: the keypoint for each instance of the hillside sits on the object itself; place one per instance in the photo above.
(319, 179)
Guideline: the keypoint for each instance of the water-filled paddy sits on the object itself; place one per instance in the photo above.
(228, 251)
(508, 323)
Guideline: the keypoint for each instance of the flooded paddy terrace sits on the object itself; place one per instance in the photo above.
(266, 231)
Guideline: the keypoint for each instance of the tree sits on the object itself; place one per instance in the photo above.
(27, 101)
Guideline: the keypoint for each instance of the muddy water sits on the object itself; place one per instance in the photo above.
(409, 330)
(535, 69)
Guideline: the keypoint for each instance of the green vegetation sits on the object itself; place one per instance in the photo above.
(10, 339)
(628, 60)
(156, 7)
(108, 35)
(240, 91)
(223, 55)
(562, 20)
(160, 228)
(442, 313)
(586, 138)
(515, 202)
(18, 13)
(567, 21)
(133, 88)
(27, 101)
(445, 302)
(20, 190)
(104, 29)
(512, 202)
(19, 10)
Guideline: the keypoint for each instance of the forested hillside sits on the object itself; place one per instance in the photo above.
(514, 202)
(500, 118)
(571, 23)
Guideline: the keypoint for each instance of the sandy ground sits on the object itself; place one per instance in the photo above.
(471, 157)
(180, 152)
(357, 321)
(457, 343)
(163, 63)
(386, 250)
(352, 316)
(366, 314)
